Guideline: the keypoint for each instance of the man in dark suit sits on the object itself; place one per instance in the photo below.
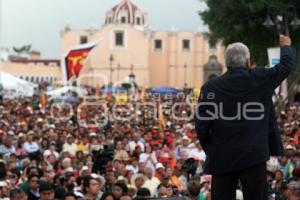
(235, 118)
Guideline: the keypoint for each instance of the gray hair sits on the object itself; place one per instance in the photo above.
(236, 55)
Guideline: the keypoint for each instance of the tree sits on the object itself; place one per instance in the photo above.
(22, 50)
(242, 20)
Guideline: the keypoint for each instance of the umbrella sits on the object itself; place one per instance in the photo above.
(72, 100)
(107, 90)
(164, 90)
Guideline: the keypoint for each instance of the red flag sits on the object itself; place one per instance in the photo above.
(75, 58)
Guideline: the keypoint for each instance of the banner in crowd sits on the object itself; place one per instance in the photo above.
(274, 59)
(74, 60)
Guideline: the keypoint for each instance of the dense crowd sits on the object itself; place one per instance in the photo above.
(99, 148)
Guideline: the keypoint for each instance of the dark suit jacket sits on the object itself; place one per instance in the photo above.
(32, 196)
(238, 143)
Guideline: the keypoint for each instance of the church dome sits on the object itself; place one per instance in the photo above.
(126, 12)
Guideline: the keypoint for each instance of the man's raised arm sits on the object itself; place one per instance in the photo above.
(281, 71)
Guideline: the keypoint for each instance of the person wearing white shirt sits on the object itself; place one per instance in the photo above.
(136, 141)
(31, 147)
(197, 152)
(183, 149)
(70, 146)
(133, 169)
(149, 157)
(6, 149)
(50, 151)
(152, 182)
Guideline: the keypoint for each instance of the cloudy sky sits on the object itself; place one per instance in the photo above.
(38, 22)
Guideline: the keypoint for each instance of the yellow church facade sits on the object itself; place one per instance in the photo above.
(156, 58)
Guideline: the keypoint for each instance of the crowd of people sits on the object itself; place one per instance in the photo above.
(99, 148)
(284, 172)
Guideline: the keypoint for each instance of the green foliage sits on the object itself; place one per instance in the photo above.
(24, 49)
(126, 86)
(242, 20)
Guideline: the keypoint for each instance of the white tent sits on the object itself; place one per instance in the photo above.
(19, 86)
(65, 90)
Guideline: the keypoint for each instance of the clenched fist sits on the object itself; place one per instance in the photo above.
(285, 41)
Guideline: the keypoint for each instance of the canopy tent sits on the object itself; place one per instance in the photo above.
(18, 86)
(71, 100)
(67, 89)
(107, 90)
(164, 90)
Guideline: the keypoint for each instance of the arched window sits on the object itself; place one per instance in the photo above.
(186, 45)
(119, 38)
(138, 21)
(83, 39)
(123, 20)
